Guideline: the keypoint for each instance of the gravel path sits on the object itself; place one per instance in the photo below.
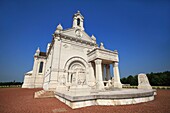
(17, 100)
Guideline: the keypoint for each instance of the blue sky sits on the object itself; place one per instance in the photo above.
(138, 29)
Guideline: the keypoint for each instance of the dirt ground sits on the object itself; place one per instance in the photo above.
(17, 100)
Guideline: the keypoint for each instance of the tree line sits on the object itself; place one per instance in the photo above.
(10, 83)
(155, 79)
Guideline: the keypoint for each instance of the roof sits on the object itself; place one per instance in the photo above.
(42, 54)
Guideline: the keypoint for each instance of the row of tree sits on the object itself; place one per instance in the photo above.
(10, 83)
(155, 79)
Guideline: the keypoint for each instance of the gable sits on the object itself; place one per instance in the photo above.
(77, 33)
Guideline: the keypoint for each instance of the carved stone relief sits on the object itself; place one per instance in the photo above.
(79, 74)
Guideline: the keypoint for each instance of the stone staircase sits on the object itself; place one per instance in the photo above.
(44, 94)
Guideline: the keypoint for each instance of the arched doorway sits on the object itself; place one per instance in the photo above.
(76, 68)
(78, 73)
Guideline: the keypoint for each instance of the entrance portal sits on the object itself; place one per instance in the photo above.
(78, 76)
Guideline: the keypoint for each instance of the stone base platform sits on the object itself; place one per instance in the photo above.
(76, 99)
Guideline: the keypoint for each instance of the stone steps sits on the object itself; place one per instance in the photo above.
(44, 94)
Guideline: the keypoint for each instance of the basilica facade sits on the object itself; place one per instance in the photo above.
(73, 60)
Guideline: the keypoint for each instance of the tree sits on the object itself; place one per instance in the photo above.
(131, 80)
(124, 80)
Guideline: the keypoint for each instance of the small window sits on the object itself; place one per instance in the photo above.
(41, 67)
(78, 21)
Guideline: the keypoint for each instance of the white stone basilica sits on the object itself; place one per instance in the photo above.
(73, 61)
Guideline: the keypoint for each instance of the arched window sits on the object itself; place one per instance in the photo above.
(78, 21)
(41, 67)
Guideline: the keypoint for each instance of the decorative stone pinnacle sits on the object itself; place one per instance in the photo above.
(38, 50)
(59, 27)
(93, 37)
(102, 46)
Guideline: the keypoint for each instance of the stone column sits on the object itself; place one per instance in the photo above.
(117, 83)
(99, 78)
(107, 72)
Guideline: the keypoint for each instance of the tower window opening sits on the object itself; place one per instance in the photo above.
(41, 67)
(78, 21)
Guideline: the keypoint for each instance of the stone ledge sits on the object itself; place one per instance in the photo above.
(124, 94)
(113, 102)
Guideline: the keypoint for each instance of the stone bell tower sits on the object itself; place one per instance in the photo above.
(78, 21)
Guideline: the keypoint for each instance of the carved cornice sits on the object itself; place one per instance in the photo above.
(63, 36)
(40, 57)
(104, 50)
